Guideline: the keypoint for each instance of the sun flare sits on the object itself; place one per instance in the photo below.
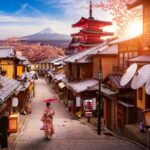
(134, 29)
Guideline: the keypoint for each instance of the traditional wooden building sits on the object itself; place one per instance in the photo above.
(82, 69)
(144, 56)
(122, 100)
(12, 65)
(128, 47)
(23, 65)
(53, 63)
(8, 67)
(9, 119)
(7, 90)
(90, 35)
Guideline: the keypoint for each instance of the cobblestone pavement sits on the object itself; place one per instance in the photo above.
(69, 134)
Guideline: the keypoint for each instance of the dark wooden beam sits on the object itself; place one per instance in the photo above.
(135, 4)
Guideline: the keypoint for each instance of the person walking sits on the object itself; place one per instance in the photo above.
(47, 118)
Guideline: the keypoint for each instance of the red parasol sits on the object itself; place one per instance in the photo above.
(50, 100)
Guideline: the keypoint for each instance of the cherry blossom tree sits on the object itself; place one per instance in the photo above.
(120, 13)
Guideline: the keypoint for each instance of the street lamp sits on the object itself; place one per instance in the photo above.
(100, 77)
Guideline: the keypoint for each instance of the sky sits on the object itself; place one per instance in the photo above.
(23, 17)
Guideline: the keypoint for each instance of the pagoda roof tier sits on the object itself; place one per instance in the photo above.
(83, 21)
(100, 33)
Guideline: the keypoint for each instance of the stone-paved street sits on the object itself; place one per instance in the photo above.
(69, 134)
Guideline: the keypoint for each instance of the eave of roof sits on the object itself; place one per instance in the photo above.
(100, 33)
(83, 54)
(83, 20)
(107, 50)
(141, 59)
(7, 53)
(82, 86)
(8, 87)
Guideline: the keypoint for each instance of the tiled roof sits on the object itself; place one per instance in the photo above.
(8, 87)
(7, 53)
(59, 76)
(64, 80)
(84, 20)
(26, 63)
(115, 79)
(58, 60)
(22, 58)
(82, 86)
(82, 56)
(48, 60)
(99, 50)
(97, 32)
(105, 90)
(142, 59)
(112, 50)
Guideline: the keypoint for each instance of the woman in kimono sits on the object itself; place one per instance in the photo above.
(47, 119)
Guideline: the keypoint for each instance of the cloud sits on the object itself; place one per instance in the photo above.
(28, 10)
(74, 9)
(21, 25)
(28, 19)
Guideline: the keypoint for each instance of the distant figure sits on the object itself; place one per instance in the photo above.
(47, 118)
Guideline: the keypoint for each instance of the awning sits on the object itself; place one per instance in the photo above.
(82, 86)
(61, 85)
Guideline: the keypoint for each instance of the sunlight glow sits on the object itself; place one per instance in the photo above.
(134, 29)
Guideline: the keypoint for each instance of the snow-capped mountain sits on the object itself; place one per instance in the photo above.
(46, 35)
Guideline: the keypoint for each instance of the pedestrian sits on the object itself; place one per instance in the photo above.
(48, 116)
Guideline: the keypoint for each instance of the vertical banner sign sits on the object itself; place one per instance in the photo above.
(78, 101)
(88, 105)
(94, 103)
(70, 103)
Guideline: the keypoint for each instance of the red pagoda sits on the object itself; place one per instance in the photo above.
(90, 33)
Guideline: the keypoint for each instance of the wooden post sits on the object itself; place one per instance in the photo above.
(148, 139)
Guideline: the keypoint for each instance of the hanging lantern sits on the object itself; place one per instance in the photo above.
(13, 123)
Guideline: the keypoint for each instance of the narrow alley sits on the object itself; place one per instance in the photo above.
(69, 134)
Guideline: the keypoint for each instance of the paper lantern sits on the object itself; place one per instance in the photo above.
(13, 123)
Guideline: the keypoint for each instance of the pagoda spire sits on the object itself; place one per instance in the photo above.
(90, 11)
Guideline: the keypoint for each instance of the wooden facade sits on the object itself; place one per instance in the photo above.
(106, 61)
(77, 72)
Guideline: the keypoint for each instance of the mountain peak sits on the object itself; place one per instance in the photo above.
(46, 35)
(47, 31)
